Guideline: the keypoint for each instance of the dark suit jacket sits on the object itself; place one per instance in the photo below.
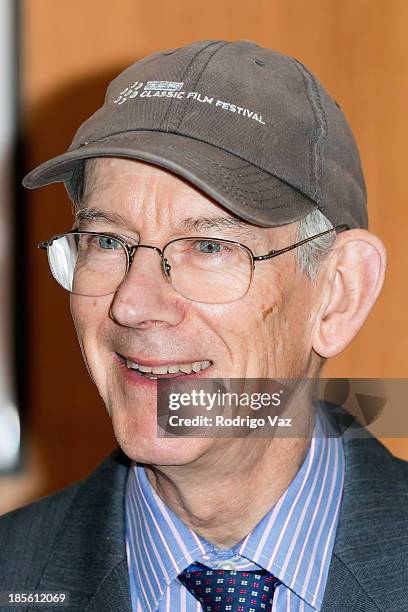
(73, 540)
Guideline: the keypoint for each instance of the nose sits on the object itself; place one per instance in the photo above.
(146, 299)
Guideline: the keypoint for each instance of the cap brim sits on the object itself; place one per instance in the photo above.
(247, 191)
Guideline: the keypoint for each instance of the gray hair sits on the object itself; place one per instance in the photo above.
(310, 255)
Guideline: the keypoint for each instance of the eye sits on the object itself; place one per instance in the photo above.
(211, 246)
(107, 242)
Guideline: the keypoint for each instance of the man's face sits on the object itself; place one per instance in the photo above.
(265, 334)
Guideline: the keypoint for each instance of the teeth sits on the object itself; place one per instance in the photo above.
(186, 368)
(159, 370)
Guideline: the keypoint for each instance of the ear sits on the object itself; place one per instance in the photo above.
(350, 283)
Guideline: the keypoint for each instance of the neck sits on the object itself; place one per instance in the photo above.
(226, 492)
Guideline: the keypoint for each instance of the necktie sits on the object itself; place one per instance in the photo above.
(224, 590)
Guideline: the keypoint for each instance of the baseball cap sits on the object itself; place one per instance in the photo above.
(252, 128)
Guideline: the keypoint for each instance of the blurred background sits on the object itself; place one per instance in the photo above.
(56, 60)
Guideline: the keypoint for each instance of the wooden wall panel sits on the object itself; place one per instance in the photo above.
(72, 48)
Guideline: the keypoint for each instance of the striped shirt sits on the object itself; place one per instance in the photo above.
(293, 541)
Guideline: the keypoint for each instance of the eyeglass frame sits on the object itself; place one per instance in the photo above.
(166, 267)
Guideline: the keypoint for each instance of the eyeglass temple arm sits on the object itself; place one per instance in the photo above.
(338, 229)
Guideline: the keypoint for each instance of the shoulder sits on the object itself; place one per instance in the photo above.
(371, 467)
(47, 510)
(375, 487)
(28, 534)
(372, 535)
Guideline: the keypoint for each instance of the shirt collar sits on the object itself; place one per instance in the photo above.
(294, 540)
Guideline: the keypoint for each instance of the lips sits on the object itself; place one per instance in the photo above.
(155, 370)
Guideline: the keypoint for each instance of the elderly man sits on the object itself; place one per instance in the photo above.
(220, 232)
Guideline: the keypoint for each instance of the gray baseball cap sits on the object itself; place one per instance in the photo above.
(250, 127)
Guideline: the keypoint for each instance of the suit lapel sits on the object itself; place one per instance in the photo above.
(343, 592)
(113, 594)
(88, 558)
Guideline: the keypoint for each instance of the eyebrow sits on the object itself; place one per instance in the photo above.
(189, 224)
(93, 214)
(219, 222)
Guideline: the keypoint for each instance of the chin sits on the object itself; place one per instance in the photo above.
(140, 442)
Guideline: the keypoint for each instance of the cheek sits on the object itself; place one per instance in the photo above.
(289, 322)
(89, 314)
(282, 316)
(244, 326)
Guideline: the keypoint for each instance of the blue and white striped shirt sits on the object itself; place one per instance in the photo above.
(293, 541)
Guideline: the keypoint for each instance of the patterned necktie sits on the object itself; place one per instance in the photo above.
(223, 590)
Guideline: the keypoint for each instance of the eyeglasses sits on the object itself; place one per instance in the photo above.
(201, 269)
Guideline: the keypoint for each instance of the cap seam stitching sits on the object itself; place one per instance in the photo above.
(167, 117)
(321, 123)
(183, 113)
(322, 140)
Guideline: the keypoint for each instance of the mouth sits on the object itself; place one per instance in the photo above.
(155, 371)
